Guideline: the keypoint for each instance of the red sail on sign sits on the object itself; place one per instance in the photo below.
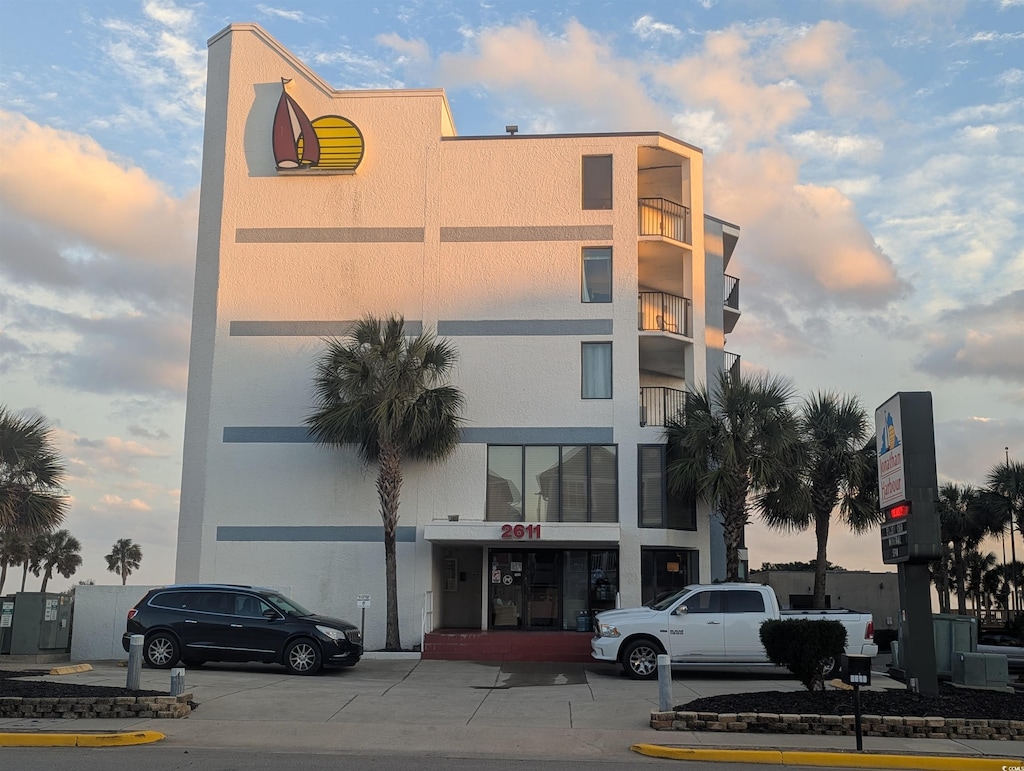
(290, 126)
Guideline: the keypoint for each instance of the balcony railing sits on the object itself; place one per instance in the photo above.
(662, 217)
(732, 365)
(658, 404)
(660, 311)
(732, 292)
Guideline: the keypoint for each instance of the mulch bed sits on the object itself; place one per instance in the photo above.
(48, 689)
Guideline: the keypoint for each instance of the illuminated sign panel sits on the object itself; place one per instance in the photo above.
(892, 485)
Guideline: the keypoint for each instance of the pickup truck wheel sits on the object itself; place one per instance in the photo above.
(830, 668)
(640, 660)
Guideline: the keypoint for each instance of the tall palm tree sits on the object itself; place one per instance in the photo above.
(976, 565)
(58, 551)
(388, 395)
(963, 524)
(835, 473)
(31, 472)
(125, 556)
(14, 548)
(1004, 497)
(736, 437)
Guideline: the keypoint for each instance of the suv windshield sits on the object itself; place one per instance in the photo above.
(666, 600)
(290, 607)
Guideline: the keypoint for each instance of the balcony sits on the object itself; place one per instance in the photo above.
(658, 404)
(732, 365)
(665, 218)
(664, 321)
(732, 303)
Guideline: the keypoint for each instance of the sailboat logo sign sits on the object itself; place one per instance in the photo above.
(328, 142)
(891, 468)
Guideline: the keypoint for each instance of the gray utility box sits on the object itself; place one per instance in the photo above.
(6, 622)
(953, 635)
(41, 623)
(984, 670)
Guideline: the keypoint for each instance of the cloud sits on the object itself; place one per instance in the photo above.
(116, 502)
(281, 13)
(646, 28)
(413, 51)
(861, 149)
(978, 341)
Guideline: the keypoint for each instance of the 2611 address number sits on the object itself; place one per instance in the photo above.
(520, 531)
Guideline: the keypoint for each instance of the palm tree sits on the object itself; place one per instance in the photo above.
(14, 547)
(31, 472)
(58, 551)
(1004, 498)
(737, 437)
(124, 557)
(388, 395)
(963, 524)
(835, 470)
(976, 565)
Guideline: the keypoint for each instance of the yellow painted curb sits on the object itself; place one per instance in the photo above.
(71, 669)
(79, 740)
(831, 759)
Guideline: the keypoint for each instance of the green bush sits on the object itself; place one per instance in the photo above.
(806, 648)
(884, 638)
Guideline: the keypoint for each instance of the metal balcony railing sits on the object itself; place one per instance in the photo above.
(732, 365)
(662, 217)
(660, 311)
(732, 292)
(658, 404)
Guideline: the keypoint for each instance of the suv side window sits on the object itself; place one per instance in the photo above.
(174, 600)
(249, 606)
(217, 602)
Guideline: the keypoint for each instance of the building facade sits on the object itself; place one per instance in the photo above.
(582, 283)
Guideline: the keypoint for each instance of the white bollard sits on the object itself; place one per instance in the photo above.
(664, 683)
(177, 681)
(135, 662)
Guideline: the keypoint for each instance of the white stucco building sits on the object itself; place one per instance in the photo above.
(581, 281)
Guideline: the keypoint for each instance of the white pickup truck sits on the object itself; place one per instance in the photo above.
(710, 625)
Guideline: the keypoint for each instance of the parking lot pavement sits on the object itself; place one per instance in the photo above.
(449, 708)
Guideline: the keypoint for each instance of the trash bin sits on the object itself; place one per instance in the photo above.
(583, 621)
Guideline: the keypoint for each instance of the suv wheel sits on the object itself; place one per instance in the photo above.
(640, 660)
(302, 657)
(161, 651)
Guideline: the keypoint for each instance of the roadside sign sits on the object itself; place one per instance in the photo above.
(362, 600)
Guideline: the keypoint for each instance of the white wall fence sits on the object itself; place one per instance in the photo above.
(99, 620)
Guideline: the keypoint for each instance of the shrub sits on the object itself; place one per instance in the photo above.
(884, 638)
(806, 648)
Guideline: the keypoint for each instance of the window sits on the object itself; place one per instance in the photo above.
(704, 602)
(552, 483)
(665, 572)
(660, 507)
(597, 274)
(597, 371)
(597, 182)
(744, 601)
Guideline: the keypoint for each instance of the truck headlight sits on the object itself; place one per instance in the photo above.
(607, 630)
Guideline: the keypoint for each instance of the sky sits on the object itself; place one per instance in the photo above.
(871, 152)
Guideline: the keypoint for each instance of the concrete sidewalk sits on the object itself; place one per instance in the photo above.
(431, 708)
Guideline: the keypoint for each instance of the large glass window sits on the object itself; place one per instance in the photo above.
(597, 274)
(570, 483)
(659, 506)
(664, 572)
(597, 371)
(597, 182)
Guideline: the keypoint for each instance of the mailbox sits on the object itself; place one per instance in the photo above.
(856, 669)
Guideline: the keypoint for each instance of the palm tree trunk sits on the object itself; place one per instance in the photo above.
(958, 569)
(389, 487)
(124, 574)
(46, 579)
(820, 561)
(24, 575)
(3, 574)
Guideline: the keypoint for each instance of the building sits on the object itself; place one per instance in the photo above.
(874, 593)
(582, 282)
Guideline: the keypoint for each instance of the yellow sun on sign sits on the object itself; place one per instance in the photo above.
(341, 143)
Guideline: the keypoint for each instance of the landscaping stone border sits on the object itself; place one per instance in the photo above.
(96, 706)
(840, 725)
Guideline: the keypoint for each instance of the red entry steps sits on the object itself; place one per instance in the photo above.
(477, 645)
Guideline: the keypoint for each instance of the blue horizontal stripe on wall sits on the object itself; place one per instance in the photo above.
(322, 533)
(475, 435)
(524, 327)
(304, 328)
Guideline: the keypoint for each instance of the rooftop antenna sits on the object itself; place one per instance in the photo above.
(511, 130)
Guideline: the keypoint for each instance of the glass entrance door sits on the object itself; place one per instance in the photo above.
(543, 589)
(506, 605)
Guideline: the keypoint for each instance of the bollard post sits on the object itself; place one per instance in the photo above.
(135, 662)
(664, 683)
(177, 681)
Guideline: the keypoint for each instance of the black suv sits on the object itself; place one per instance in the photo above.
(216, 622)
